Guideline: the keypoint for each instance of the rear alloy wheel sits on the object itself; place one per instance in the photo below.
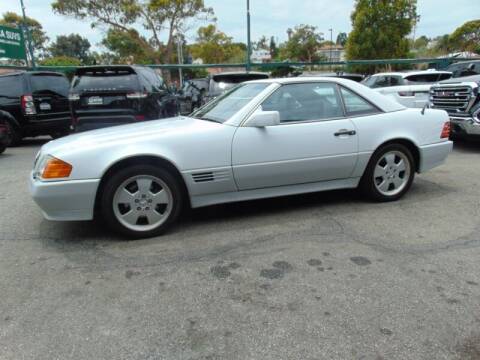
(141, 201)
(389, 174)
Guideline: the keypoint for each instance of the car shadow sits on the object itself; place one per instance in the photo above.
(465, 146)
(88, 233)
(271, 206)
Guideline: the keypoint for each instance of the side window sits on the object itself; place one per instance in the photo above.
(11, 86)
(145, 81)
(157, 81)
(396, 80)
(305, 102)
(356, 105)
(382, 81)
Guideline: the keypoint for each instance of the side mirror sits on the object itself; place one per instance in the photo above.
(263, 119)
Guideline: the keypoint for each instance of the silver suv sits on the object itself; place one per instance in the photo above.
(460, 97)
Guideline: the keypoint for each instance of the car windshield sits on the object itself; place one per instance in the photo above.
(224, 107)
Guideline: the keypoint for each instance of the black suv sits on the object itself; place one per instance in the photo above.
(34, 103)
(102, 96)
(191, 95)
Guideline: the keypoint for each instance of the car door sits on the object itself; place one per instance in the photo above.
(314, 141)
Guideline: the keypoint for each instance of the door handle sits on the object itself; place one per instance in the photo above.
(345, 132)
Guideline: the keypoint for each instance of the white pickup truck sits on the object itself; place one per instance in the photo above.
(411, 89)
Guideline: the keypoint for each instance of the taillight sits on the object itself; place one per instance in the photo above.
(445, 131)
(139, 117)
(137, 95)
(28, 106)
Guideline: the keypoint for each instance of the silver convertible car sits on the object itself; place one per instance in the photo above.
(264, 138)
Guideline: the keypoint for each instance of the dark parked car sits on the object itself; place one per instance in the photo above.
(4, 134)
(102, 96)
(192, 94)
(35, 103)
(465, 68)
(219, 83)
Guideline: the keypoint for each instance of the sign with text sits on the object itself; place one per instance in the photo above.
(12, 45)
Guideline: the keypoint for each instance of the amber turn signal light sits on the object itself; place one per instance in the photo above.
(56, 168)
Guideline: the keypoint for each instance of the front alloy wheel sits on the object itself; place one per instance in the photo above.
(141, 201)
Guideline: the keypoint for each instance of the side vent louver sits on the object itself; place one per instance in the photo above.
(203, 177)
(207, 176)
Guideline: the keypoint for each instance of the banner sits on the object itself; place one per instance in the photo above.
(12, 45)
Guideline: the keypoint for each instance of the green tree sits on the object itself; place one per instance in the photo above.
(421, 43)
(443, 45)
(152, 15)
(380, 29)
(39, 37)
(73, 46)
(214, 46)
(273, 48)
(261, 44)
(61, 61)
(129, 46)
(342, 39)
(467, 37)
(303, 44)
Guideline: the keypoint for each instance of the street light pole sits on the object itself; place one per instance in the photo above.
(180, 59)
(249, 45)
(331, 48)
(29, 36)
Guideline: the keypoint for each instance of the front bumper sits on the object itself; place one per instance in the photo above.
(464, 127)
(434, 155)
(65, 200)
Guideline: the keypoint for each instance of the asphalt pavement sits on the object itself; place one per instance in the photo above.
(319, 276)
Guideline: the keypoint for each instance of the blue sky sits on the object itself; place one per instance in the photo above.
(270, 17)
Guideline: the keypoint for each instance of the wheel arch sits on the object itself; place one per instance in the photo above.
(9, 117)
(138, 160)
(409, 144)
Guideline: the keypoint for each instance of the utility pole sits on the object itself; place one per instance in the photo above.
(29, 36)
(180, 59)
(331, 48)
(249, 44)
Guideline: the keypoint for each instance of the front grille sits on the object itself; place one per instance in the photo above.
(454, 99)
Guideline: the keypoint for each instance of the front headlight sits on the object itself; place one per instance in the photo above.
(50, 168)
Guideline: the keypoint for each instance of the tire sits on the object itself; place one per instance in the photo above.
(395, 179)
(14, 133)
(2, 148)
(129, 201)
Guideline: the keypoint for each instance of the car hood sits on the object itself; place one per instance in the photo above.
(126, 134)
